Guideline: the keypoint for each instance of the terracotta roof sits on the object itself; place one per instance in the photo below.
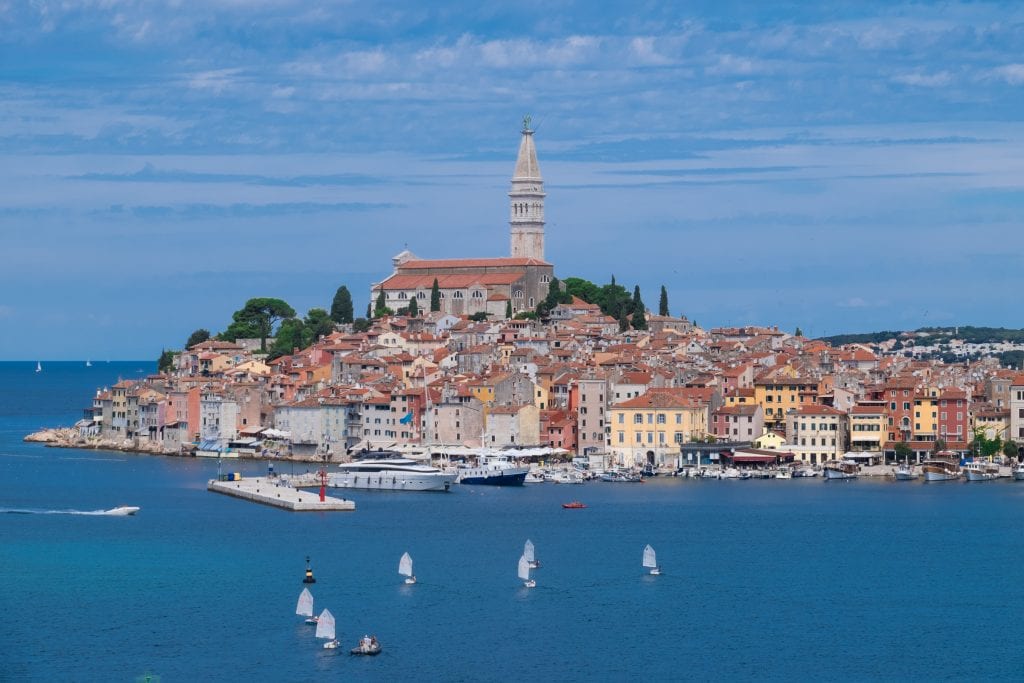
(459, 281)
(505, 262)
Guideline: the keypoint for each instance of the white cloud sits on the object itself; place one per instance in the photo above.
(924, 80)
(1011, 73)
(215, 81)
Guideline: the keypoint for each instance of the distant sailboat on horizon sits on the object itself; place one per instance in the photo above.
(39, 366)
(405, 568)
(88, 363)
(304, 607)
(651, 561)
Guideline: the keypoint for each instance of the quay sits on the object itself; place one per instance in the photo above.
(278, 494)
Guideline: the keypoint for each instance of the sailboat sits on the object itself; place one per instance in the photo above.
(524, 573)
(304, 607)
(528, 553)
(405, 568)
(325, 629)
(88, 363)
(651, 561)
(39, 366)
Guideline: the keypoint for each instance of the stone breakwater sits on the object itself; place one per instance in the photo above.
(67, 437)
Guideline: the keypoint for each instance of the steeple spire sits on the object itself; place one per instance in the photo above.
(526, 200)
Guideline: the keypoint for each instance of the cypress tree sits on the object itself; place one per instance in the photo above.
(435, 297)
(382, 304)
(508, 309)
(414, 307)
(623, 321)
(638, 304)
(369, 313)
(639, 319)
(663, 303)
(341, 307)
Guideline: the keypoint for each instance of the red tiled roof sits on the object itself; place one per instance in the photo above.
(460, 281)
(506, 262)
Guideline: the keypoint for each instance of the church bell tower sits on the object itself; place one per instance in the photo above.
(526, 199)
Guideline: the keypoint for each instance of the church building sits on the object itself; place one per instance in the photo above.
(473, 285)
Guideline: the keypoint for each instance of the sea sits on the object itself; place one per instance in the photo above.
(762, 580)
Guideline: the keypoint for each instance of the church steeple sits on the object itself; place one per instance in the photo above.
(526, 200)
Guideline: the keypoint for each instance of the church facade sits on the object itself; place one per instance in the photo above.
(488, 285)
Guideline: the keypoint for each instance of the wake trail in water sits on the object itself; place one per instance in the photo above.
(99, 513)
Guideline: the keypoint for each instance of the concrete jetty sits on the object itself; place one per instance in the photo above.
(276, 493)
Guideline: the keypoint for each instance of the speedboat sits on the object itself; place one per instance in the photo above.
(1018, 472)
(122, 510)
(384, 473)
(840, 470)
(904, 473)
(493, 470)
(621, 476)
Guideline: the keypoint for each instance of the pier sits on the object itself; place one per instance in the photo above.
(278, 494)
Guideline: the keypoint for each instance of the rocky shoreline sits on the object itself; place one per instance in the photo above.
(68, 437)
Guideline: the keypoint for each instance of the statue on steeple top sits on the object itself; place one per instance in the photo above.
(526, 123)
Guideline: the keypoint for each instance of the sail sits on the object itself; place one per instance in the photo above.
(405, 565)
(305, 605)
(524, 568)
(325, 625)
(650, 561)
(528, 551)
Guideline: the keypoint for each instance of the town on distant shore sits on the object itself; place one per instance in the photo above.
(498, 353)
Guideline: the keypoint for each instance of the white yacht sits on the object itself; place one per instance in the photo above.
(980, 471)
(1018, 472)
(390, 474)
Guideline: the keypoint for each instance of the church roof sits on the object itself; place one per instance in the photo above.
(461, 281)
(501, 262)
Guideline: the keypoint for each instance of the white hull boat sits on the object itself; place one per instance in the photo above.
(325, 629)
(304, 607)
(940, 470)
(905, 473)
(524, 573)
(840, 470)
(122, 511)
(651, 561)
(1018, 472)
(405, 569)
(981, 471)
(391, 474)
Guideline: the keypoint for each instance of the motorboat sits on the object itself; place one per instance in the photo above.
(566, 477)
(804, 472)
(535, 477)
(651, 561)
(574, 505)
(405, 568)
(1018, 472)
(940, 469)
(905, 472)
(783, 473)
(840, 470)
(383, 473)
(980, 471)
(122, 511)
(493, 470)
(368, 646)
(621, 476)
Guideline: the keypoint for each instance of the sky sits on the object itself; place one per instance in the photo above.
(833, 166)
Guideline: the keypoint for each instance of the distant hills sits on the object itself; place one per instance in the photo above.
(967, 333)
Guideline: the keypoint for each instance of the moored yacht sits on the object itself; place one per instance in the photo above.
(905, 472)
(940, 469)
(840, 470)
(1018, 472)
(383, 473)
(493, 470)
(981, 471)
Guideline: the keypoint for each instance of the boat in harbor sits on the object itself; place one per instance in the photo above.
(621, 476)
(524, 573)
(783, 473)
(530, 554)
(388, 472)
(651, 560)
(940, 469)
(840, 470)
(806, 471)
(905, 472)
(574, 505)
(368, 646)
(1018, 472)
(304, 607)
(980, 471)
(405, 568)
(493, 470)
(325, 629)
(535, 477)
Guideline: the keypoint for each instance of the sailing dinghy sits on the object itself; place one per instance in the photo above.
(528, 553)
(304, 608)
(325, 629)
(524, 573)
(405, 568)
(651, 560)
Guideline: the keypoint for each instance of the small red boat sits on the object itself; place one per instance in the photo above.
(574, 505)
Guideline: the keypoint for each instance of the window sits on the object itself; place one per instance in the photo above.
(421, 295)
(906, 405)
(478, 294)
(622, 418)
(622, 437)
(661, 418)
(679, 418)
(457, 295)
(678, 437)
(638, 419)
(639, 437)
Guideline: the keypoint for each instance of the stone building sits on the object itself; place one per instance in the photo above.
(488, 285)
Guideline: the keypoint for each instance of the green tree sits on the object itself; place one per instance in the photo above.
(291, 335)
(663, 302)
(508, 309)
(259, 316)
(583, 289)
(639, 320)
(341, 307)
(381, 307)
(526, 315)
(369, 313)
(613, 300)
(638, 303)
(318, 323)
(197, 337)
(939, 446)
(435, 297)
(903, 452)
(414, 307)
(553, 298)
(479, 316)
(1010, 449)
(166, 361)
(799, 332)
(361, 324)
(623, 321)
(984, 446)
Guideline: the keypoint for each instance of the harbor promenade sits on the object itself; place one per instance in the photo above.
(279, 494)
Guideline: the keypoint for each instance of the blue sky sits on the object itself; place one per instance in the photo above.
(843, 166)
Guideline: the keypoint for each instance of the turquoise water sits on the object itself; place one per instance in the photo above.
(790, 580)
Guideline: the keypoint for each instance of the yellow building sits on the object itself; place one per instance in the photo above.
(781, 391)
(926, 415)
(650, 428)
(770, 440)
(868, 426)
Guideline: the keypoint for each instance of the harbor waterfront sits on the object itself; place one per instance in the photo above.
(760, 580)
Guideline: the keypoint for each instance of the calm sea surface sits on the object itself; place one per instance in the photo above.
(794, 580)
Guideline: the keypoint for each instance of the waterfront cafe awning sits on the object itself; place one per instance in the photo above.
(759, 457)
(276, 434)
(211, 446)
(254, 430)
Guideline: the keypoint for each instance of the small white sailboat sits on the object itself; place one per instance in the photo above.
(530, 555)
(325, 629)
(88, 363)
(304, 607)
(524, 573)
(405, 568)
(39, 366)
(651, 560)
